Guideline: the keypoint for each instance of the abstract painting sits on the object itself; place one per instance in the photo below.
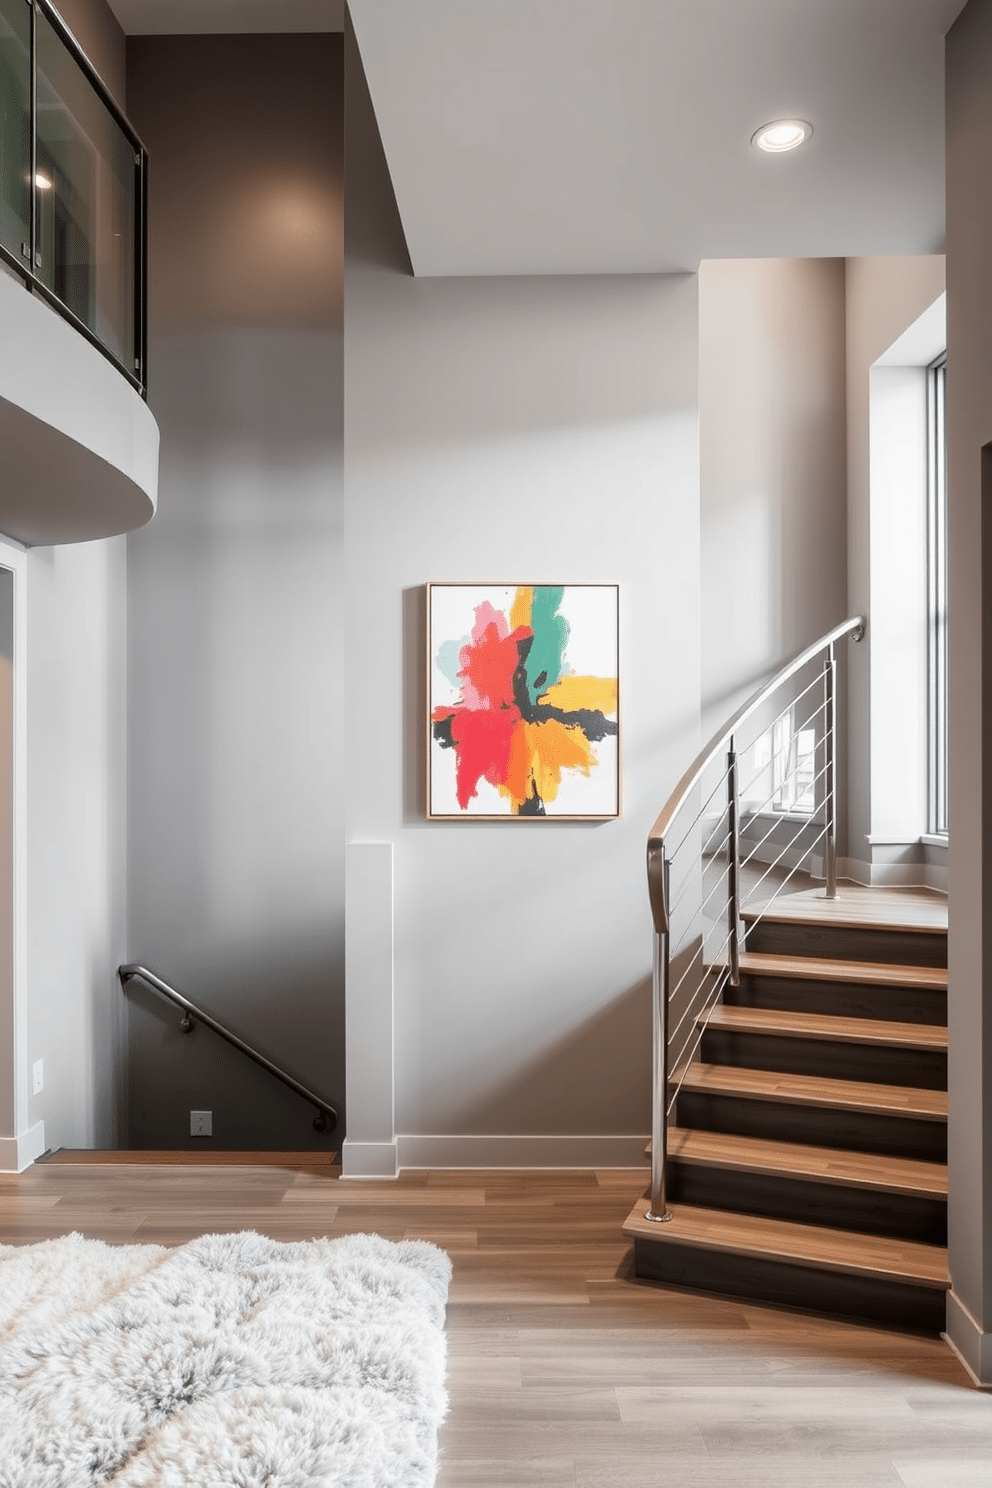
(522, 695)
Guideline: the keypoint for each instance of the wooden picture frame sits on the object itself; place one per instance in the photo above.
(523, 702)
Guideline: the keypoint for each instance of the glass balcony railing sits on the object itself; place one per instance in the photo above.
(72, 185)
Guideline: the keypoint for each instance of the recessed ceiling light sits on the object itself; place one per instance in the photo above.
(42, 182)
(781, 135)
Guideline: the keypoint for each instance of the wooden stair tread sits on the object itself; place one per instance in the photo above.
(823, 969)
(827, 1027)
(808, 1245)
(858, 907)
(794, 1160)
(813, 1090)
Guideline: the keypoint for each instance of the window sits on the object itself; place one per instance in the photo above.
(937, 593)
(785, 766)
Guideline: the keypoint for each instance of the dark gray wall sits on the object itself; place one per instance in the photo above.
(234, 591)
(969, 475)
(96, 28)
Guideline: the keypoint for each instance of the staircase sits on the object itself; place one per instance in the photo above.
(807, 1160)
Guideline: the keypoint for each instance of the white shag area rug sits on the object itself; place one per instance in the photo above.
(231, 1362)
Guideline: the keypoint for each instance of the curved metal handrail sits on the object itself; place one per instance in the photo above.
(853, 627)
(327, 1116)
(659, 861)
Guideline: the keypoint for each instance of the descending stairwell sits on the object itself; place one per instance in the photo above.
(807, 1160)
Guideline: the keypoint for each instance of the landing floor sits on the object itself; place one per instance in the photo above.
(857, 905)
(564, 1371)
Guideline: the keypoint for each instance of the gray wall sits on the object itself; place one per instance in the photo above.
(234, 592)
(772, 445)
(512, 429)
(969, 382)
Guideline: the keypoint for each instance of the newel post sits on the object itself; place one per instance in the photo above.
(658, 884)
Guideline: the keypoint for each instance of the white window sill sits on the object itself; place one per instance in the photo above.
(770, 814)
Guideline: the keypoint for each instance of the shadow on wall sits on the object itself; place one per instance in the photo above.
(593, 1056)
(415, 705)
(263, 994)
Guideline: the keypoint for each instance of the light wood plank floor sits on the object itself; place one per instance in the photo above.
(917, 909)
(564, 1371)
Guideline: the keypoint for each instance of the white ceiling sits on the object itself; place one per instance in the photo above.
(577, 136)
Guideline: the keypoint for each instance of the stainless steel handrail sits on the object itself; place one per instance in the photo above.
(855, 628)
(659, 866)
(327, 1116)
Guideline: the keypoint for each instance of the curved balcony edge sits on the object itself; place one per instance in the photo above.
(78, 444)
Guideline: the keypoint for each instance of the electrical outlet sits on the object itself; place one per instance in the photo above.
(201, 1123)
(37, 1077)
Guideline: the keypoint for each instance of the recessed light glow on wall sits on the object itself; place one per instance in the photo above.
(781, 135)
(42, 182)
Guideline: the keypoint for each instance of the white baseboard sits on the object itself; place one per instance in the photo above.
(787, 858)
(18, 1153)
(972, 1346)
(894, 875)
(368, 1159)
(522, 1152)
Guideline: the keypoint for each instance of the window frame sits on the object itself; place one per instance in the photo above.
(937, 699)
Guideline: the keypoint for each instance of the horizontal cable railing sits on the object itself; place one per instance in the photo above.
(326, 1117)
(713, 837)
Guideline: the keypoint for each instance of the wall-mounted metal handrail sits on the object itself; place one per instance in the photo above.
(327, 1116)
(724, 968)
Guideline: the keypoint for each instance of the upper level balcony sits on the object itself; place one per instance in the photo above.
(78, 445)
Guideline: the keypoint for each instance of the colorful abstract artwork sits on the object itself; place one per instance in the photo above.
(523, 701)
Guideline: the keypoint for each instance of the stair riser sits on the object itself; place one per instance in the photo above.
(848, 943)
(920, 1068)
(806, 1201)
(815, 1126)
(840, 999)
(784, 1283)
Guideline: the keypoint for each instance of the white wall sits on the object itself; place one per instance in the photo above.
(13, 989)
(95, 474)
(69, 618)
(76, 889)
(513, 429)
(771, 417)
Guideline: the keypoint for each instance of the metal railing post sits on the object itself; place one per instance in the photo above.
(733, 868)
(830, 772)
(660, 978)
